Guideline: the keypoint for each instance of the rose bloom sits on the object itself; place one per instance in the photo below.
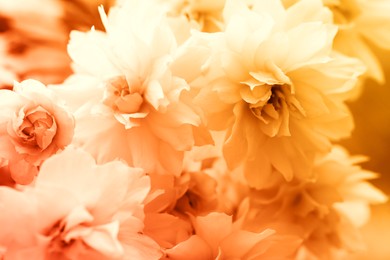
(34, 124)
(77, 210)
(130, 91)
(325, 212)
(274, 84)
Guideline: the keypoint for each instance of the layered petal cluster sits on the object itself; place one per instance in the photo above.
(274, 83)
(34, 124)
(77, 210)
(131, 90)
(190, 129)
(325, 212)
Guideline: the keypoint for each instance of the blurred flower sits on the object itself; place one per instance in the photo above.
(34, 124)
(206, 14)
(325, 212)
(362, 24)
(274, 83)
(77, 210)
(129, 95)
(362, 21)
(32, 42)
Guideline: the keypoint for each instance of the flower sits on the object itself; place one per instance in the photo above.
(78, 209)
(361, 21)
(274, 84)
(325, 212)
(206, 14)
(217, 237)
(134, 105)
(32, 42)
(34, 124)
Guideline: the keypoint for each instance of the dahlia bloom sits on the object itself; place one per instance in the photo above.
(325, 212)
(275, 85)
(34, 124)
(129, 90)
(77, 210)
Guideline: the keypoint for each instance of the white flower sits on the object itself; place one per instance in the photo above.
(130, 90)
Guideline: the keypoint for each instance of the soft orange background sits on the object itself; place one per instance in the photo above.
(371, 137)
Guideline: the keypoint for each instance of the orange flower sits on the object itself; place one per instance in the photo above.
(275, 85)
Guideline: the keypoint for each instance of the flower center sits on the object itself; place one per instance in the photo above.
(126, 100)
(37, 128)
(121, 97)
(273, 109)
(270, 109)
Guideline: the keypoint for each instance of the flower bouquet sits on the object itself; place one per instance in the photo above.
(185, 129)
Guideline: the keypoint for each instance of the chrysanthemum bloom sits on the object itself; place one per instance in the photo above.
(77, 210)
(325, 212)
(275, 84)
(129, 90)
(34, 124)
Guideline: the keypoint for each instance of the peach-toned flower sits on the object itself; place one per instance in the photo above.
(217, 237)
(130, 89)
(325, 212)
(172, 200)
(32, 42)
(231, 187)
(78, 210)
(34, 124)
(206, 14)
(360, 22)
(274, 83)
